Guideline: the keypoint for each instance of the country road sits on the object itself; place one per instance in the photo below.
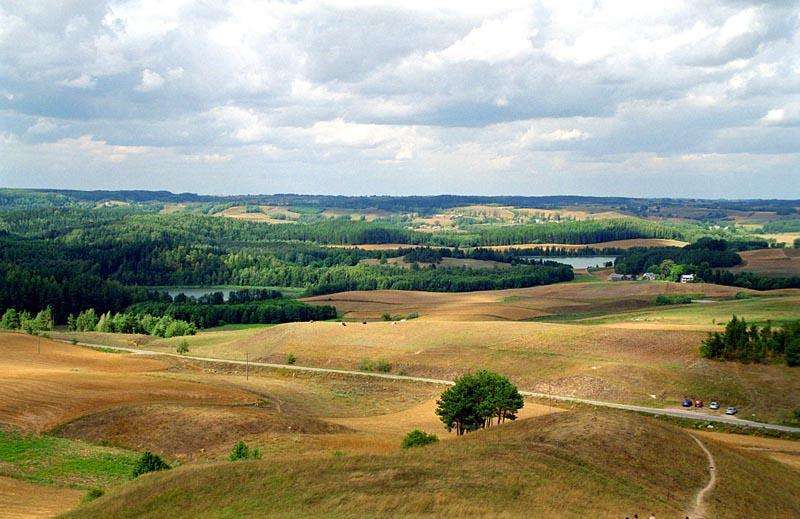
(675, 413)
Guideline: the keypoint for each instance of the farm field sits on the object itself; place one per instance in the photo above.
(514, 304)
(770, 262)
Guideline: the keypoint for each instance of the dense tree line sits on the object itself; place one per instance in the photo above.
(708, 253)
(263, 312)
(422, 204)
(752, 343)
(66, 290)
(782, 226)
(384, 277)
(751, 280)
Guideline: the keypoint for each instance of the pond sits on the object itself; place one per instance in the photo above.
(577, 262)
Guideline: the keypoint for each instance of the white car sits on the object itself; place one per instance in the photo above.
(714, 405)
(731, 410)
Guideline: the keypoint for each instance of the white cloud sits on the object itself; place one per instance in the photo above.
(87, 145)
(351, 90)
(84, 81)
(150, 81)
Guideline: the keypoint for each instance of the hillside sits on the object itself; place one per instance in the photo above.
(568, 464)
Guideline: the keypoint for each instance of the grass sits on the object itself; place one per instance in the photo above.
(57, 461)
(756, 309)
(579, 463)
(573, 464)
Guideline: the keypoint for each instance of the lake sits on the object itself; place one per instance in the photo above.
(577, 262)
(226, 290)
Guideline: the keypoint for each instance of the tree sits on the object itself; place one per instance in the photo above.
(504, 399)
(475, 399)
(417, 438)
(149, 462)
(183, 347)
(10, 320)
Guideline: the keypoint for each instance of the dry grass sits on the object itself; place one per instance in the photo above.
(39, 391)
(513, 304)
(770, 262)
(784, 451)
(268, 214)
(572, 464)
(20, 499)
(785, 237)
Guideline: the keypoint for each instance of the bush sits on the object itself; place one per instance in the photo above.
(664, 299)
(365, 365)
(93, 494)
(149, 462)
(386, 317)
(417, 438)
(183, 347)
(242, 452)
(383, 366)
(291, 359)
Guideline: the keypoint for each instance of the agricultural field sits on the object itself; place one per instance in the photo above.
(771, 262)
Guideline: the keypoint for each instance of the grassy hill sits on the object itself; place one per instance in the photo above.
(571, 464)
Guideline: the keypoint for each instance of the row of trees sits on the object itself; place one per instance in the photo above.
(385, 277)
(752, 343)
(13, 320)
(476, 400)
(163, 326)
(263, 312)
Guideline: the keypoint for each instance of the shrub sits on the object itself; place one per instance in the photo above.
(93, 494)
(242, 452)
(664, 299)
(383, 366)
(793, 353)
(291, 359)
(365, 365)
(386, 317)
(183, 347)
(417, 438)
(149, 462)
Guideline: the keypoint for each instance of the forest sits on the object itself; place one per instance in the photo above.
(70, 251)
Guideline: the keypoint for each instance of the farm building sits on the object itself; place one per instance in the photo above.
(687, 278)
(649, 276)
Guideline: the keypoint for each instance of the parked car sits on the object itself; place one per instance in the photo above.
(687, 402)
(698, 403)
(731, 410)
(714, 405)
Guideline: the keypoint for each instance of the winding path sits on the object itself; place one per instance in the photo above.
(655, 411)
(699, 509)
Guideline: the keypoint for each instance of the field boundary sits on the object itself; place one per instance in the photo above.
(655, 411)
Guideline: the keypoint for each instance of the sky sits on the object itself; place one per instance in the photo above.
(689, 98)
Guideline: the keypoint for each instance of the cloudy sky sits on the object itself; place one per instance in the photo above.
(695, 98)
